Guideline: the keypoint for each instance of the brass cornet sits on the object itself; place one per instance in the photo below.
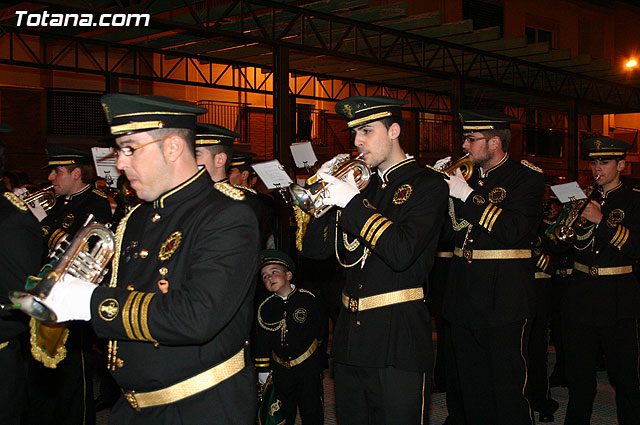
(566, 232)
(77, 259)
(45, 196)
(463, 163)
(311, 199)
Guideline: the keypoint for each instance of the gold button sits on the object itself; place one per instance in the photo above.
(119, 362)
(358, 322)
(155, 218)
(130, 288)
(156, 345)
(144, 253)
(359, 285)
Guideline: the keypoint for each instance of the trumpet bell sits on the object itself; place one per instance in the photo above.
(46, 197)
(86, 257)
(463, 163)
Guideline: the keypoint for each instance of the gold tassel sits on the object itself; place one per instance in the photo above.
(302, 219)
(47, 342)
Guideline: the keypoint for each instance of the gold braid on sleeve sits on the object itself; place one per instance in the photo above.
(302, 220)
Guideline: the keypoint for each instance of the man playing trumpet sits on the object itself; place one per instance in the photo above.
(386, 237)
(489, 299)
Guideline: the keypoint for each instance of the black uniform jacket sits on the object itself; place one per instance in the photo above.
(205, 245)
(504, 213)
(614, 242)
(398, 218)
(68, 215)
(288, 328)
(20, 256)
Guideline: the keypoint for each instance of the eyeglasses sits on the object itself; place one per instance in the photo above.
(471, 139)
(129, 150)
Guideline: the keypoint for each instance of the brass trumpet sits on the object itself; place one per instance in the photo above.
(565, 232)
(311, 199)
(75, 258)
(45, 196)
(463, 163)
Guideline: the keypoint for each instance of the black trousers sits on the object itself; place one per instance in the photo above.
(620, 345)
(13, 378)
(300, 389)
(380, 396)
(492, 372)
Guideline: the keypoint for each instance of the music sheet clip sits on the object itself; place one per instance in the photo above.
(272, 174)
(568, 192)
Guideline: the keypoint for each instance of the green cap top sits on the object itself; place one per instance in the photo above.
(63, 155)
(477, 121)
(209, 135)
(127, 113)
(604, 148)
(275, 256)
(360, 110)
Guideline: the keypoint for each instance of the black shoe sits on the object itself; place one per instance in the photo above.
(544, 418)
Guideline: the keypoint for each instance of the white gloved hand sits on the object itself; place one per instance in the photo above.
(36, 209)
(262, 377)
(70, 299)
(458, 186)
(439, 165)
(326, 167)
(340, 191)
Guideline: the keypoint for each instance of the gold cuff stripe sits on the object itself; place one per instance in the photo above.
(126, 315)
(368, 118)
(374, 227)
(486, 214)
(495, 217)
(263, 364)
(133, 126)
(617, 235)
(295, 362)
(135, 316)
(543, 262)
(261, 359)
(368, 223)
(380, 232)
(624, 240)
(144, 320)
(620, 237)
(194, 385)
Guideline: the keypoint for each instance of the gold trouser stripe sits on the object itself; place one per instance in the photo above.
(444, 254)
(201, 382)
(495, 254)
(389, 298)
(603, 271)
(295, 362)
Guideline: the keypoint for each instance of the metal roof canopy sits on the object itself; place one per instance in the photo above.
(408, 64)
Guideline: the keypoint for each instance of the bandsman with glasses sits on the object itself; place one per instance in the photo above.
(489, 299)
(178, 308)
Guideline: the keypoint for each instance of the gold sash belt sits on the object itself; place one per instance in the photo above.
(195, 384)
(295, 362)
(444, 254)
(595, 271)
(491, 254)
(559, 272)
(355, 304)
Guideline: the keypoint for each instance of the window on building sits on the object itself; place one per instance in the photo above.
(536, 35)
(485, 14)
(542, 135)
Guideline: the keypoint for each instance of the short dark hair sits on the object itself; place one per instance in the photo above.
(87, 174)
(216, 149)
(187, 134)
(504, 135)
(388, 122)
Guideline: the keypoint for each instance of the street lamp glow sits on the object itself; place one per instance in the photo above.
(632, 63)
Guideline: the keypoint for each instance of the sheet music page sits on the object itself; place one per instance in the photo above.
(568, 192)
(105, 161)
(303, 154)
(272, 174)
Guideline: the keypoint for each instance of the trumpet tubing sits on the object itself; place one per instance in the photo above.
(463, 163)
(45, 196)
(566, 232)
(311, 199)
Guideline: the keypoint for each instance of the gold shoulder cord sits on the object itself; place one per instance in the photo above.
(279, 325)
(349, 246)
(112, 347)
(457, 225)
